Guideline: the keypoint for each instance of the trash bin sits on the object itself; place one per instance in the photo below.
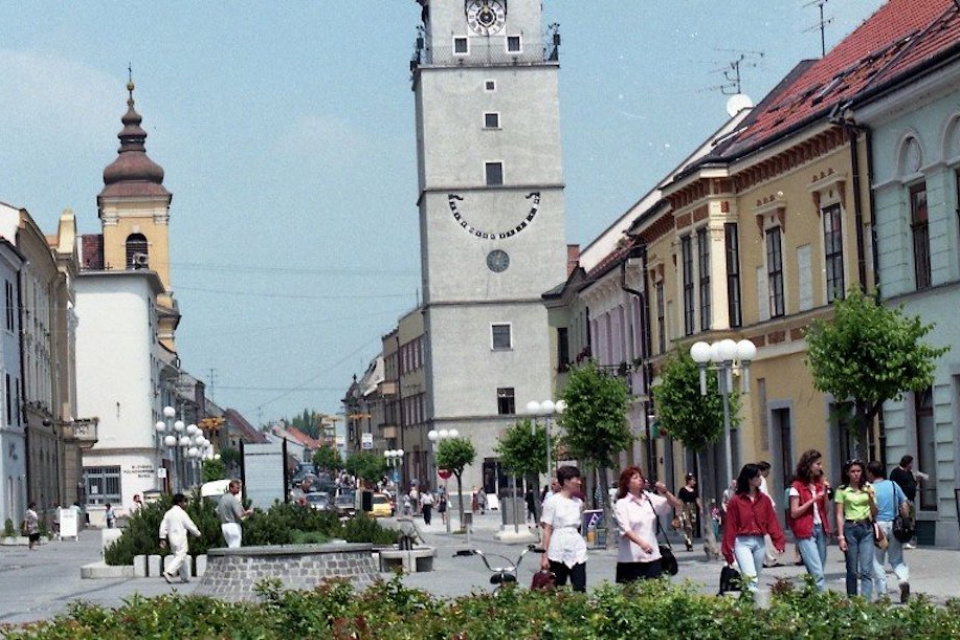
(467, 520)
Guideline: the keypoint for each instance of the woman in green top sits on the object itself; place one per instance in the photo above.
(856, 509)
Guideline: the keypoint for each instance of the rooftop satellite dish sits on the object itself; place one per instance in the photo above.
(737, 103)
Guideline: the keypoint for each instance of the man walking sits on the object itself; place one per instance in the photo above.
(231, 512)
(174, 527)
(890, 500)
(903, 476)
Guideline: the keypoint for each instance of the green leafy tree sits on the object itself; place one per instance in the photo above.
(455, 455)
(868, 354)
(215, 469)
(683, 413)
(366, 465)
(230, 456)
(523, 448)
(595, 419)
(327, 459)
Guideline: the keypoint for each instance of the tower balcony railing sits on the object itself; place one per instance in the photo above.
(482, 54)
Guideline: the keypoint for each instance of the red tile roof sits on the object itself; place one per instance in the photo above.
(883, 47)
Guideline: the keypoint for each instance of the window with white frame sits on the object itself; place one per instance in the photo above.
(833, 251)
(775, 272)
(920, 230)
(102, 485)
(501, 336)
(731, 241)
(689, 310)
(703, 255)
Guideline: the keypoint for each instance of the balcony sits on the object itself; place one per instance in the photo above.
(82, 433)
(487, 54)
(630, 375)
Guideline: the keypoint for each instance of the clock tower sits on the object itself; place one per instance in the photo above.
(491, 213)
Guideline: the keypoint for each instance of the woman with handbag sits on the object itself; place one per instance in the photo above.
(891, 502)
(750, 517)
(566, 550)
(807, 514)
(856, 509)
(636, 513)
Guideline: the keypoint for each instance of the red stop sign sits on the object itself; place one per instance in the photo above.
(444, 473)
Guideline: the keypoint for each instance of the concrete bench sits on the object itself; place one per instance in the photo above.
(410, 561)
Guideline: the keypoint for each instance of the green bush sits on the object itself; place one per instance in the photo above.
(281, 524)
(8, 529)
(655, 610)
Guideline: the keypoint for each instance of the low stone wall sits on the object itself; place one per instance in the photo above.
(232, 574)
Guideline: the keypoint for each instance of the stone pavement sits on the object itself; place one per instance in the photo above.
(37, 585)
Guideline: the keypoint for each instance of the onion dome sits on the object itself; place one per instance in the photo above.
(133, 173)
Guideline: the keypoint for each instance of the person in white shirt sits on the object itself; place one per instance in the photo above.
(636, 513)
(772, 558)
(174, 527)
(566, 550)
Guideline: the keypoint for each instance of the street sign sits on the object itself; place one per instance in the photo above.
(366, 440)
(444, 473)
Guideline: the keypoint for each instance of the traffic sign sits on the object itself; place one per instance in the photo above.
(366, 440)
(444, 473)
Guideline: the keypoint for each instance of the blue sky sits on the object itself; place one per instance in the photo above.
(286, 130)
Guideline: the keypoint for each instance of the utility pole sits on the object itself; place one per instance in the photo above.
(212, 377)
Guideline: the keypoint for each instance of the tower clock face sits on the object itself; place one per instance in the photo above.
(486, 17)
(498, 261)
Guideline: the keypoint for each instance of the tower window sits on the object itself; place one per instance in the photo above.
(506, 401)
(513, 44)
(491, 120)
(501, 337)
(138, 256)
(461, 46)
(494, 173)
(490, 85)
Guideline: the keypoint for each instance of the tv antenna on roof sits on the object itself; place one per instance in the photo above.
(822, 25)
(732, 84)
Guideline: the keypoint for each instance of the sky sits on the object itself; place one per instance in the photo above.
(286, 130)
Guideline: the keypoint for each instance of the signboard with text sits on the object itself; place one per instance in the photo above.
(68, 523)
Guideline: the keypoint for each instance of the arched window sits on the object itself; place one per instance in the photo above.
(138, 256)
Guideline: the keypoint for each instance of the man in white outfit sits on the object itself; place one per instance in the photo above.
(174, 527)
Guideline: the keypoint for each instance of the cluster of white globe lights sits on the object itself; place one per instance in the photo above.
(188, 437)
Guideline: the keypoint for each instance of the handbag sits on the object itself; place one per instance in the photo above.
(729, 579)
(668, 561)
(903, 527)
(879, 540)
(543, 580)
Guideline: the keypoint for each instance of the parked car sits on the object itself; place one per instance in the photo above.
(319, 500)
(382, 508)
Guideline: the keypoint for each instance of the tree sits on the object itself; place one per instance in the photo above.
(215, 469)
(454, 455)
(523, 448)
(683, 413)
(327, 458)
(595, 419)
(868, 354)
(231, 458)
(366, 465)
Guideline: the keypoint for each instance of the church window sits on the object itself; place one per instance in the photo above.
(137, 251)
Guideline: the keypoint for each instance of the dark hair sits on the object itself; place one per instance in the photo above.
(108, 505)
(763, 465)
(807, 458)
(905, 460)
(31, 505)
(567, 472)
(624, 481)
(179, 499)
(856, 462)
(875, 469)
(748, 473)
(690, 476)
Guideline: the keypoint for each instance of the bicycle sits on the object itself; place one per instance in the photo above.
(504, 575)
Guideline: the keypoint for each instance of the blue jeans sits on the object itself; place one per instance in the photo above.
(859, 558)
(749, 552)
(893, 553)
(813, 550)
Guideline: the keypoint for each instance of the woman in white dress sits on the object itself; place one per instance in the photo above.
(566, 550)
(636, 513)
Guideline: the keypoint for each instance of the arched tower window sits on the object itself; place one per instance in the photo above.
(138, 256)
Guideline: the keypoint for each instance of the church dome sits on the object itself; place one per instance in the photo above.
(133, 173)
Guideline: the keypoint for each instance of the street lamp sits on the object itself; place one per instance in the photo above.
(161, 427)
(547, 409)
(436, 437)
(724, 355)
(394, 459)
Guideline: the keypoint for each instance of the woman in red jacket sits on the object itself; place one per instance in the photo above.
(809, 494)
(750, 516)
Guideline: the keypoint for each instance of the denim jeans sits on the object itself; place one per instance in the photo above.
(813, 550)
(893, 553)
(749, 552)
(859, 558)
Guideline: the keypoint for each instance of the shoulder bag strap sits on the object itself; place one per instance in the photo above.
(656, 518)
